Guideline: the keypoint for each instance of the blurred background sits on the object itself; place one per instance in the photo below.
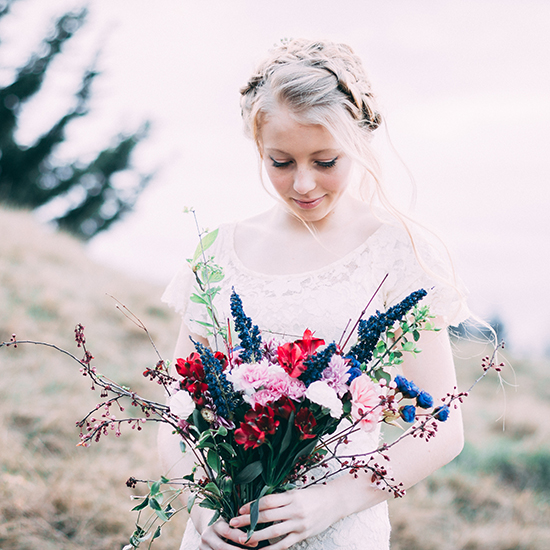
(116, 115)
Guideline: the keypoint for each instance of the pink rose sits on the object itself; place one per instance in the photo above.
(365, 398)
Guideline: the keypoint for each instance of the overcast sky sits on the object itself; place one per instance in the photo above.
(464, 85)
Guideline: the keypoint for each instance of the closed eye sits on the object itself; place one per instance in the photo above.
(327, 164)
(278, 164)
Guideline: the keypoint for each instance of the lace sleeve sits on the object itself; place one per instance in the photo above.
(397, 258)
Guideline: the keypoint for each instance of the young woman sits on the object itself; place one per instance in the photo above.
(313, 261)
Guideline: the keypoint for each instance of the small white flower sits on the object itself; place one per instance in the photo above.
(321, 393)
(181, 404)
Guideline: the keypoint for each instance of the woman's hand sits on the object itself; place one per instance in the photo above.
(215, 536)
(296, 515)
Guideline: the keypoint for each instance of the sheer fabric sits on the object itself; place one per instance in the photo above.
(325, 301)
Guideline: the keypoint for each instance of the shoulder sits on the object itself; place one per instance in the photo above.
(412, 261)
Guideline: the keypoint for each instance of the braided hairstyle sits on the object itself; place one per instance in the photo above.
(320, 82)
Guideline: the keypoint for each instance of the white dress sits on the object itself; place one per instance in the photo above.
(323, 300)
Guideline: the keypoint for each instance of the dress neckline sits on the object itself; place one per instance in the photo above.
(303, 274)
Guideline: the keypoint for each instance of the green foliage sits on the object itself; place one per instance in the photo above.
(31, 176)
(400, 339)
(207, 273)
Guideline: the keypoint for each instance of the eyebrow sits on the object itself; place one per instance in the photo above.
(331, 151)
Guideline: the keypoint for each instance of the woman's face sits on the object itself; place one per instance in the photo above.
(307, 168)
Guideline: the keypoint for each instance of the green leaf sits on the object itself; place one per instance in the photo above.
(143, 504)
(214, 518)
(164, 479)
(183, 447)
(213, 461)
(155, 488)
(254, 514)
(209, 503)
(198, 299)
(249, 473)
(416, 335)
(213, 488)
(227, 485)
(153, 503)
(157, 533)
(222, 430)
(205, 242)
(217, 276)
(407, 346)
(227, 448)
(190, 502)
(162, 515)
(288, 434)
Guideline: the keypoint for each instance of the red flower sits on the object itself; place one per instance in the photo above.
(263, 418)
(305, 422)
(191, 367)
(283, 407)
(308, 344)
(291, 358)
(197, 389)
(249, 435)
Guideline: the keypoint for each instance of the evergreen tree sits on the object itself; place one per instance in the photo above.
(30, 176)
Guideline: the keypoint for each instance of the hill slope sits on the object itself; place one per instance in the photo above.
(55, 495)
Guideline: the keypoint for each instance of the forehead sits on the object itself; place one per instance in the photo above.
(282, 130)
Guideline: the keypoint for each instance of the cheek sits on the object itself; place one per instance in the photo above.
(278, 179)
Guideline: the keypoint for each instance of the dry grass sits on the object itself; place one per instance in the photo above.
(58, 496)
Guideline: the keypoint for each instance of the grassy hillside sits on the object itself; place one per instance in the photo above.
(496, 496)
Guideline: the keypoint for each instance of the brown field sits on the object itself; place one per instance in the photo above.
(54, 495)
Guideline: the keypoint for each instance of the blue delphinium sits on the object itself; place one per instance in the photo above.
(408, 413)
(249, 334)
(224, 397)
(316, 364)
(442, 413)
(369, 331)
(424, 400)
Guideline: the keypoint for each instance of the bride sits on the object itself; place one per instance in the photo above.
(314, 260)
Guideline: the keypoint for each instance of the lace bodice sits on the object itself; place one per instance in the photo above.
(324, 301)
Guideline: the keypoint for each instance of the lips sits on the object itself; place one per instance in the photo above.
(308, 204)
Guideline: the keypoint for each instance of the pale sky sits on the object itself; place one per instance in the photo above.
(464, 85)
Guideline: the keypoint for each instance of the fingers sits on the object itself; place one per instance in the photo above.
(216, 537)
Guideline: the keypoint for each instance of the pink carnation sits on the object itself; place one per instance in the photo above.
(283, 384)
(248, 377)
(278, 384)
(365, 398)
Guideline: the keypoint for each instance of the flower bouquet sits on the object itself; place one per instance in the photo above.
(263, 416)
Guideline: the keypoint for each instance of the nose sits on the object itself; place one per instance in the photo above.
(304, 181)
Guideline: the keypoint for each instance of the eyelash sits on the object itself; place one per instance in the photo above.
(321, 164)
